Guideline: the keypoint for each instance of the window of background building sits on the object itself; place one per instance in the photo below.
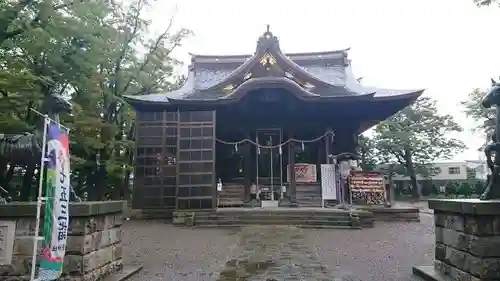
(454, 170)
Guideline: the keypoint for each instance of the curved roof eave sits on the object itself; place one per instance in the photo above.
(391, 94)
(162, 99)
(270, 83)
(201, 58)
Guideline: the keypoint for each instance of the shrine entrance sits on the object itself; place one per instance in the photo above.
(269, 177)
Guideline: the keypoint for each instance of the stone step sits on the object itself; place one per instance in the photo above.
(230, 200)
(310, 205)
(232, 197)
(271, 217)
(308, 197)
(232, 226)
(309, 219)
(232, 192)
(273, 222)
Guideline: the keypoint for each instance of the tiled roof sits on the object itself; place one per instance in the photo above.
(330, 72)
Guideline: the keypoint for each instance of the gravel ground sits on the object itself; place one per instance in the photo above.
(386, 252)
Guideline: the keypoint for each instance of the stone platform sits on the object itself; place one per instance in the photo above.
(93, 249)
(301, 217)
(398, 213)
(467, 235)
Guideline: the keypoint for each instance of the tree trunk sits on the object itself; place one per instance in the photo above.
(79, 185)
(101, 184)
(27, 183)
(415, 191)
(390, 195)
(126, 188)
(6, 178)
(92, 194)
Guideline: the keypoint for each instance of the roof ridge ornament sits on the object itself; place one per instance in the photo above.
(268, 33)
(267, 40)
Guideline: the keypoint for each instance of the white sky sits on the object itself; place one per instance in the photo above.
(445, 46)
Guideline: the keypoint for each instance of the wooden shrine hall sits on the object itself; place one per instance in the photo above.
(256, 127)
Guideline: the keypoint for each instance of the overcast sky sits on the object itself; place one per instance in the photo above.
(445, 46)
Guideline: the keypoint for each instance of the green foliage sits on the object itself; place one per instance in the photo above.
(416, 136)
(367, 153)
(484, 117)
(465, 189)
(481, 3)
(94, 53)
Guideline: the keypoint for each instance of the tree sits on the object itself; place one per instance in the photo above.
(63, 47)
(481, 3)
(93, 52)
(367, 153)
(105, 156)
(484, 117)
(415, 137)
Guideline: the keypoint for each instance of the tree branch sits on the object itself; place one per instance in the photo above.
(152, 50)
(126, 47)
(5, 35)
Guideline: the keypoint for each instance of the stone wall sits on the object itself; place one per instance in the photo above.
(93, 249)
(467, 239)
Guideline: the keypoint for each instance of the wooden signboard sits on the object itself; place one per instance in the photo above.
(304, 173)
(367, 188)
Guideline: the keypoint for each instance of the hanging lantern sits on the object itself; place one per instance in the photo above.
(280, 150)
(236, 147)
(302, 146)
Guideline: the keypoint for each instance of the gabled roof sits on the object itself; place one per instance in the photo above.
(309, 76)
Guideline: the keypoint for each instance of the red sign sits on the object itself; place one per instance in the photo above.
(366, 182)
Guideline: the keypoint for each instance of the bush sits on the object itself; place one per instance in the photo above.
(479, 187)
(465, 189)
(451, 188)
(427, 188)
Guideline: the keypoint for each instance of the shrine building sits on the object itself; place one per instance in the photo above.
(241, 122)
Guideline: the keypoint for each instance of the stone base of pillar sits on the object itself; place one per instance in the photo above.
(285, 202)
(253, 203)
(467, 233)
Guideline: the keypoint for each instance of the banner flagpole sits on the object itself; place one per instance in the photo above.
(50, 119)
(40, 199)
(57, 186)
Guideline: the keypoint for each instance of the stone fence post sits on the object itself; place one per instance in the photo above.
(94, 245)
(467, 233)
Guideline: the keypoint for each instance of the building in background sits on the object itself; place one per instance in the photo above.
(445, 172)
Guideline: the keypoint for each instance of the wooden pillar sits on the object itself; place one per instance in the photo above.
(353, 147)
(291, 166)
(247, 172)
(328, 147)
(319, 158)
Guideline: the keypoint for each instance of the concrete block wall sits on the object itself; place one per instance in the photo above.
(467, 239)
(93, 249)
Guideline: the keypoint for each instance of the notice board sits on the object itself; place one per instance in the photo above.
(367, 188)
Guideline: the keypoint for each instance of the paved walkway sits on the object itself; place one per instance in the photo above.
(386, 252)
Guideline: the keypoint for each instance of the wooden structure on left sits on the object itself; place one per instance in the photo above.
(253, 120)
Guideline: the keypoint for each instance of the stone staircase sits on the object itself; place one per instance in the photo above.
(232, 195)
(308, 195)
(305, 218)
